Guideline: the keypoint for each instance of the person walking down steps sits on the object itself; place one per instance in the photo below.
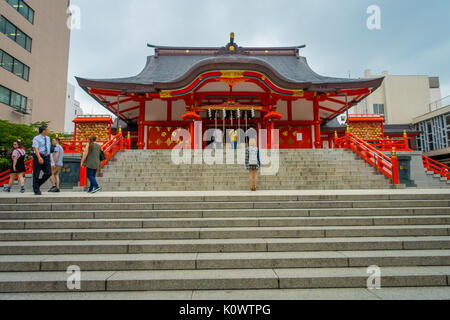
(91, 159)
(252, 163)
(17, 167)
(41, 159)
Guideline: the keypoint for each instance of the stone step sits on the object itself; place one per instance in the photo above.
(228, 188)
(224, 205)
(237, 260)
(222, 168)
(278, 278)
(406, 293)
(223, 245)
(191, 214)
(222, 233)
(227, 213)
(229, 196)
(262, 185)
(200, 178)
(221, 222)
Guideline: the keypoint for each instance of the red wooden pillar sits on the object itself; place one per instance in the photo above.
(395, 169)
(83, 176)
(141, 130)
(289, 110)
(192, 132)
(269, 134)
(169, 110)
(317, 123)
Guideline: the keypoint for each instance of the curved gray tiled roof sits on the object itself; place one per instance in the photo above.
(169, 69)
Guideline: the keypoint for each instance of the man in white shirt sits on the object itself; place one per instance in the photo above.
(41, 159)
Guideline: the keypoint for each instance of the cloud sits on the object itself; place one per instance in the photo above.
(114, 33)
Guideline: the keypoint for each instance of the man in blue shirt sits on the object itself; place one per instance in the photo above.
(41, 159)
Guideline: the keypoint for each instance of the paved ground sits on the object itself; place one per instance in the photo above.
(431, 293)
(234, 193)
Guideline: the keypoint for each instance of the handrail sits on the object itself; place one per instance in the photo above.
(400, 144)
(4, 176)
(76, 146)
(386, 165)
(436, 167)
(110, 148)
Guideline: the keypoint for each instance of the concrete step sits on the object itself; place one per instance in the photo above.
(407, 293)
(224, 240)
(222, 233)
(229, 196)
(227, 213)
(119, 223)
(223, 245)
(225, 205)
(278, 278)
(238, 260)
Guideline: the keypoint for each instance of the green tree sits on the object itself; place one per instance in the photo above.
(10, 132)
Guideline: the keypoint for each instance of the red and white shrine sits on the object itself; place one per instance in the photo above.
(228, 87)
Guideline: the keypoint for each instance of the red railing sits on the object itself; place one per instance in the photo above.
(386, 165)
(436, 167)
(110, 148)
(76, 146)
(400, 144)
(4, 176)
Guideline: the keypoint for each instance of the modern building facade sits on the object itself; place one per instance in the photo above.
(34, 43)
(401, 98)
(73, 109)
(435, 138)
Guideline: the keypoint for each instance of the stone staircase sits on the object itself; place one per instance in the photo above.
(161, 242)
(298, 170)
(437, 180)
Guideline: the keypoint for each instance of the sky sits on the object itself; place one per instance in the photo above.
(413, 39)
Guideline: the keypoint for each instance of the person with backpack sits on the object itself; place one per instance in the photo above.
(252, 163)
(92, 160)
(17, 167)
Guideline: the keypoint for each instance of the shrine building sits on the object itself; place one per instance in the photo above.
(228, 87)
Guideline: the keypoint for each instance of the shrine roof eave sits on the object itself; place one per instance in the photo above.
(175, 72)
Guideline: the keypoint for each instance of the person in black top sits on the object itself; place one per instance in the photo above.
(17, 167)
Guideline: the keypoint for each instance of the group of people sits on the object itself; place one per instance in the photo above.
(48, 158)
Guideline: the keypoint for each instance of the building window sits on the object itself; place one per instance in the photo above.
(13, 65)
(13, 99)
(378, 109)
(23, 8)
(15, 34)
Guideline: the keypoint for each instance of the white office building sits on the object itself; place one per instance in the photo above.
(73, 109)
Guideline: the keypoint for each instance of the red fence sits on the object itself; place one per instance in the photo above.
(436, 167)
(4, 176)
(400, 144)
(110, 148)
(76, 146)
(386, 165)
